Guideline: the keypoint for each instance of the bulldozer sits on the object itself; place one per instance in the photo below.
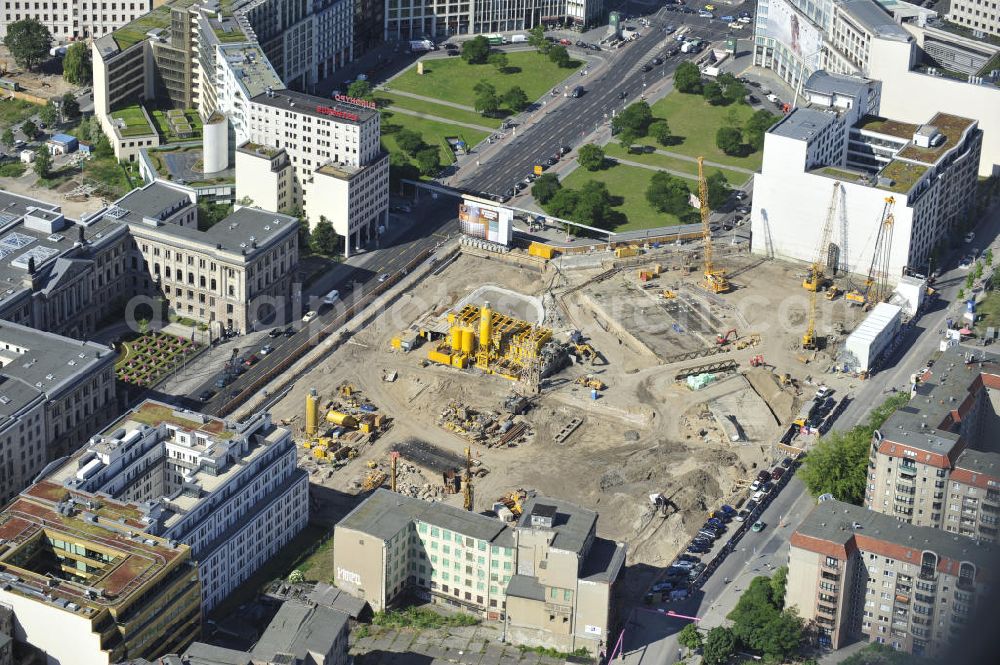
(668, 294)
(591, 382)
(832, 292)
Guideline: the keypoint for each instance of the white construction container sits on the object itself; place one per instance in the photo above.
(909, 294)
(870, 340)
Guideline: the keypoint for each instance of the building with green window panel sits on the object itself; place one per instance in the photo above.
(548, 577)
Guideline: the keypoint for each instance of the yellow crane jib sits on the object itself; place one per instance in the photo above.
(715, 280)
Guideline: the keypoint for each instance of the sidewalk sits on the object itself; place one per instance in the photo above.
(437, 118)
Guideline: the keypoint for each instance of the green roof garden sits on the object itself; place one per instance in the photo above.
(840, 174)
(132, 121)
(904, 175)
(132, 33)
(950, 126)
(901, 130)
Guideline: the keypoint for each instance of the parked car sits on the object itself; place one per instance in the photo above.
(787, 462)
(757, 527)
(970, 236)
(751, 506)
(777, 473)
(966, 262)
(695, 548)
(266, 349)
(647, 68)
(688, 557)
(699, 567)
(687, 565)
(823, 392)
(755, 485)
(742, 515)
(551, 161)
(708, 533)
(727, 509)
(767, 487)
(222, 381)
(275, 332)
(657, 61)
(384, 276)
(743, 210)
(661, 586)
(565, 150)
(715, 522)
(289, 330)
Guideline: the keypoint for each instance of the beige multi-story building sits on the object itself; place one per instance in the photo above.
(981, 16)
(937, 462)
(860, 575)
(233, 276)
(548, 578)
(69, 20)
(54, 393)
(85, 589)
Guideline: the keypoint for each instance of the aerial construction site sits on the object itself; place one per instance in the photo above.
(604, 378)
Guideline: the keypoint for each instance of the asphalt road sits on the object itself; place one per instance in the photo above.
(571, 121)
(435, 220)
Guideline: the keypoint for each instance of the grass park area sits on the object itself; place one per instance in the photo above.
(434, 133)
(453, 80)
(670, 163)
(627, 185)
(134, 120)
(439, 110)
(694, 122)
(15, 111)
(988, 312)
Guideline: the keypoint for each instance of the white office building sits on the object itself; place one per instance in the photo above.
(70, 20)
(232, 492)
(438, 19)
(928, 171)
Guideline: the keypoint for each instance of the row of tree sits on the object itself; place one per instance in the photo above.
(760, 623)
(734, 139)
(838, 464)
(590, 205)
(671, 194)
(488, 101)
(29, 42)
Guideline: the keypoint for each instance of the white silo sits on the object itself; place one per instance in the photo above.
(215, 143)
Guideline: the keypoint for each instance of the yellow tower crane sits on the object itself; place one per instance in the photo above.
(876, 286)
(715, 280)
(467, 481)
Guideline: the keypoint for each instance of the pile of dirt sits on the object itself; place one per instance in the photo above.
(778, 400)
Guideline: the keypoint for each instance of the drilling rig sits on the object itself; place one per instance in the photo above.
(467, 481)
(816, 279)
(715, 280)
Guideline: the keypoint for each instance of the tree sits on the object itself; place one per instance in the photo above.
(429, 160)
(838, 463)
(563, 204)
(778, 583)
(487, 101)
(70, 108)
(43, 162)
(718, 190)
(660, 131)
(635, 117)
(49, 114)
(720, 644)
(756, 126)
(559, 55)
(690, 638)
(323, 239)
(593, 204)
(210, 214)
(545, 187)
(591, 157)
(516, 99)
(77, 67)
(988, 257)
(499, 60)
(880, 654)
(979, 270)
(476, 50)
(732, 89)
(360, 90)
(687, 78)
(30, 129)
(970, 279)
(409, 141)
(536, 37)
(7, 138)
(780, 636)
(712, 92)
(400, 168)
(626, 138)
(753, 611)
(28, 42)
(729, 140)
(668, 193)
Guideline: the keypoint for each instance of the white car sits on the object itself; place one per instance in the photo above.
(970, 236)
(966, 262)
(735, 26)
(310, 315)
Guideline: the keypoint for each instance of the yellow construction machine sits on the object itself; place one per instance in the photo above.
(668, 294)
(816, 279)
(715, 279)
(591, 382)
(584, 352)
(513, 500)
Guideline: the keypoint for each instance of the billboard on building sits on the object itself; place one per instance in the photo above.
(795, 31)
(481, 219)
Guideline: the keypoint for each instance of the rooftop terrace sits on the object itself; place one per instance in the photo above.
(901, 176)
(952, 127)
(901, 130)
(132, 121)
(132, 33)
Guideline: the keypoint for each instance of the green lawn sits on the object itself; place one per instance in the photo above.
(452, 80)
(735, 178)
(15, 111)
(434, 133)
(988, 311)
(135, 121)
(694, 123)
(159, 117)
(629, 183)
(439, 110)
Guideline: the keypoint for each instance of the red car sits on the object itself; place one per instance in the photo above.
(777, 473)
(565, 42)
(251, 360)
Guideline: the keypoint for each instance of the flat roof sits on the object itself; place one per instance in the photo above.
(572, 524)
(896, 128)
(384, 514)
(951, 127)
(299, 629)
(803, 123)
(38, 364)
(874, 18)
(844, 525)
(824, 82)
(316, 107)
(524, 586)
(251, 68)
(245, 231)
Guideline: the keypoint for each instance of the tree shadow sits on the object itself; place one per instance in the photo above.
(511, 70)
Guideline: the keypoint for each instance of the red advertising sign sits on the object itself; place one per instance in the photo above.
(363, 103)
(326, 110)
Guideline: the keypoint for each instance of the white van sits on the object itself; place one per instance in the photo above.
(518, 39)
(331, 297)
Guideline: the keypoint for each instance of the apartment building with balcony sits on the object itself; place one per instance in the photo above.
(861, 575)
(231, 492)
(548, 578)
(87, 587)
(936, 462)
